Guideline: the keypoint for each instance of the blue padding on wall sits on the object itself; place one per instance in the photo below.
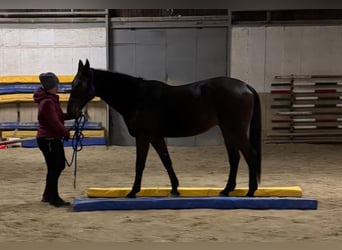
(87, 125)
(33, 125)
(29, 88)
(144, 203)
(18, 125)
(85, 142)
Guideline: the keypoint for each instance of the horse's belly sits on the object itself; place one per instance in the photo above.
(184, 132)
(188, 126)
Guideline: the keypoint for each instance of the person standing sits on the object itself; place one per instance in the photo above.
(50, 135)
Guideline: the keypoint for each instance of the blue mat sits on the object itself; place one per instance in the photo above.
(144, 203)
(88, 125)
(29, 88)
(85, 142)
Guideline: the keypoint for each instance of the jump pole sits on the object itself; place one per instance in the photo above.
(6, 142)
(121, 192)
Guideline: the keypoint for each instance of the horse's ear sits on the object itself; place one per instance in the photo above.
(80, 65)
(87, 65)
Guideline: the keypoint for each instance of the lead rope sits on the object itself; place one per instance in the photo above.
(76, 143)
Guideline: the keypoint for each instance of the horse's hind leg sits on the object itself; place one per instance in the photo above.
(236, 142)
(234, 159)
(161, 149)
(251, 159)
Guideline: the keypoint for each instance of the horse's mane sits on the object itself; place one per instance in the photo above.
(117, 76)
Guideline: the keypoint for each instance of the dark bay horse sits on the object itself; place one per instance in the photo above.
(153, 110)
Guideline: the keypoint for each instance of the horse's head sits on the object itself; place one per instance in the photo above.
(82, 90)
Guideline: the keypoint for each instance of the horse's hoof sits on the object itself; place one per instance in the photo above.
(224, 193)
(131, 195)
(250, 194)
(174, 194)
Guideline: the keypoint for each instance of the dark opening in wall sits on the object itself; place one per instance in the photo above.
(165, 12)
(278, 16)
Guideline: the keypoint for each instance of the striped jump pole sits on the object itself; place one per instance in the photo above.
(306, 91)
(306, 83)
(308, 127)
(293, 77)
(309, 98)
(316, 127)
(316, 91)
(316, 98)
(311, 105)
(305, 113)
(319, 84)
(304, 120)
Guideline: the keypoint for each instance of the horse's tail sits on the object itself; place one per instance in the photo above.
(255, 131)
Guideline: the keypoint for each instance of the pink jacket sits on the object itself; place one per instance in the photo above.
(50, 116)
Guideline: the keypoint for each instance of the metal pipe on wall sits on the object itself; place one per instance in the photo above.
(229, 42)
(72, 12)
(107, 27)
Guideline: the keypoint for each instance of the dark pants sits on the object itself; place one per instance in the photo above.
(53, 151)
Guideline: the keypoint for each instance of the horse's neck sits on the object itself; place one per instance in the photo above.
(117, 90)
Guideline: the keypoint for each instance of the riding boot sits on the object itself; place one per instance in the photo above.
(51, 190)
(51, 194)
(47, 191)
(55, 199)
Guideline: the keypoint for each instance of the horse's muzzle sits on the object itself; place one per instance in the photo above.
(73, 111)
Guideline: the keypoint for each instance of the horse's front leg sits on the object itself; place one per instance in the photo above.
(142, 146)
(161, 148)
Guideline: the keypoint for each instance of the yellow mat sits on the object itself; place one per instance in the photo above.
(32, 79)
(9, 98)
(33, 133)
(293, 191)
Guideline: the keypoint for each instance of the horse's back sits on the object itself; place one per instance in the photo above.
(225, 92)
(227, 85)
(196, 107)
(208, 95)
(224, 85)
